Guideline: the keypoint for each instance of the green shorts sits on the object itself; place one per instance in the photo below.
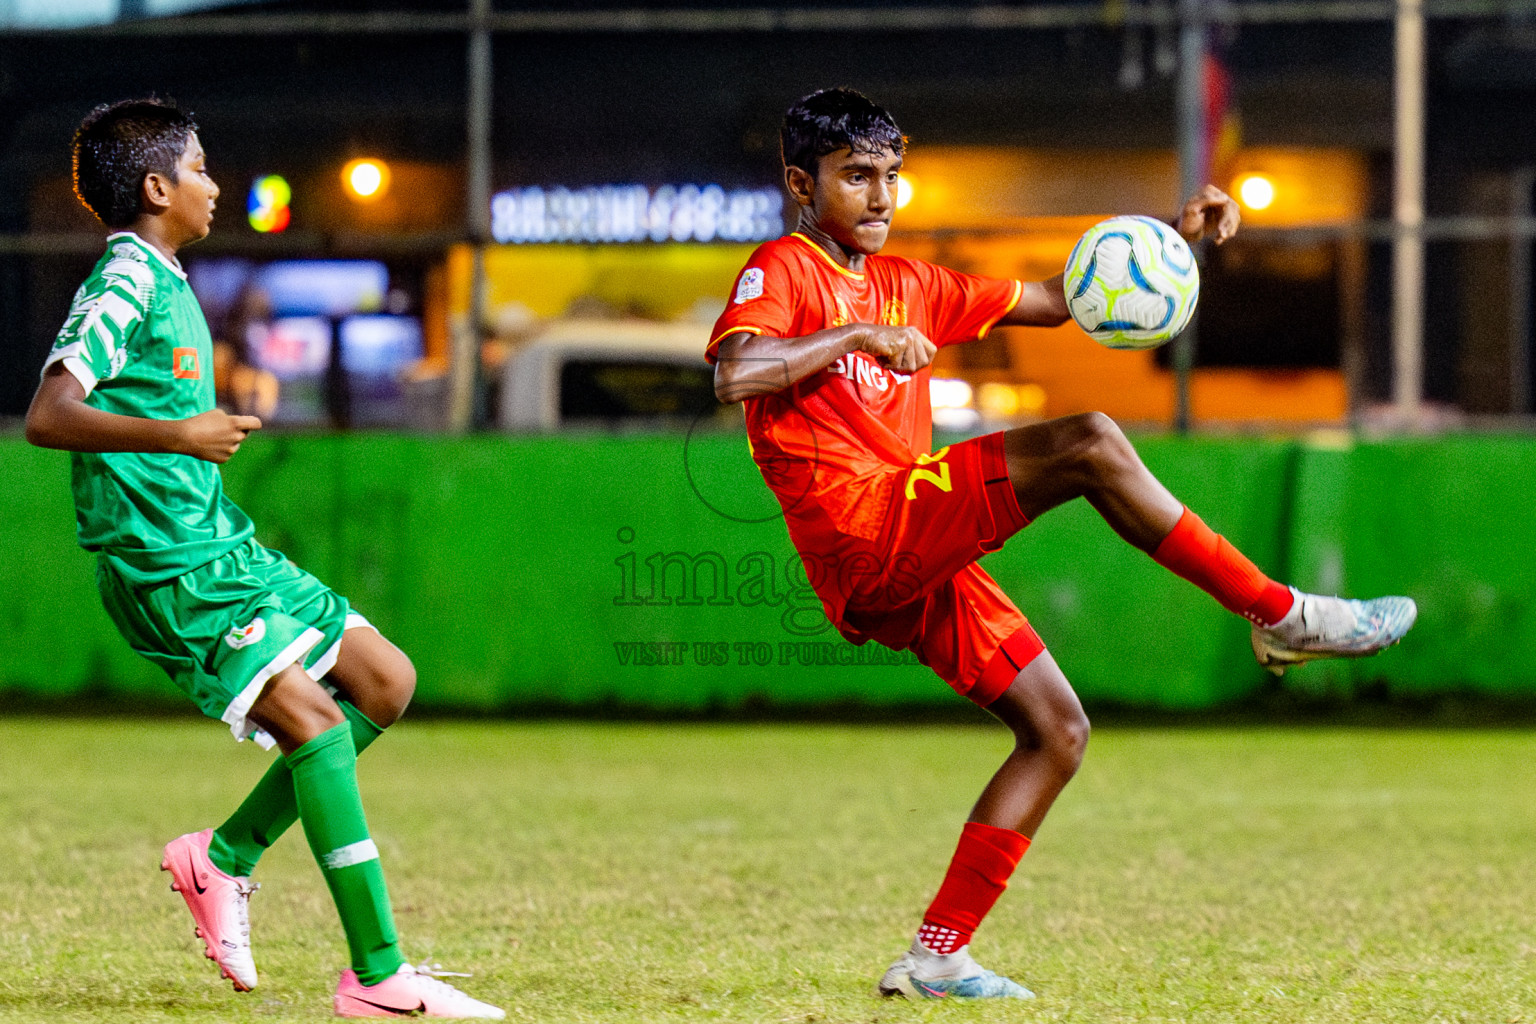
(225, 628)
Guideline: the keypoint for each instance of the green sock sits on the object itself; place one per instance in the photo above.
(266, 814)
(325, 783)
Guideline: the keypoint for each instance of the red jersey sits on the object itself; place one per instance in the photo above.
(827, 445)
(832, 446)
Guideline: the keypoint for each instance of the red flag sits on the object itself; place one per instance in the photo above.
(1223, 126)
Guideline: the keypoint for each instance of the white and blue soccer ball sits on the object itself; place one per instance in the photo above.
(1131, 282)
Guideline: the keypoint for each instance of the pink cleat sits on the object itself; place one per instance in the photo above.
(219, 905)
(409, 992)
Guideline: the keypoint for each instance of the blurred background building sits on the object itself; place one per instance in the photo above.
(561, 195)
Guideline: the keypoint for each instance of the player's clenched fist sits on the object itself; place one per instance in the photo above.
(215, 435)
(903, 349)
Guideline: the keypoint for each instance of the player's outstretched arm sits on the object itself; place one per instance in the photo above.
(1209, 212)
(1041, 304)
(750, 364)
(59, 418)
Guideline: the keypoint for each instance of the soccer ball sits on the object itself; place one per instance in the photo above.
(1131, 282)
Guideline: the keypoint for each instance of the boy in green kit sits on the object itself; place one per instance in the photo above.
(128, 388)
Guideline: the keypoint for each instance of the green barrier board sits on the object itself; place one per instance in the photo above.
(652, 571)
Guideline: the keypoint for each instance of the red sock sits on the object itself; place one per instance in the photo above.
(1205, 558)
(977, 876)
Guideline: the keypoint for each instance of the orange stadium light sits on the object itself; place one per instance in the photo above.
(1256, 191)
(365, 179)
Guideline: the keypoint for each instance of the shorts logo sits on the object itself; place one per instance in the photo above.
(244, 636)
(750, 286)
(184, 365)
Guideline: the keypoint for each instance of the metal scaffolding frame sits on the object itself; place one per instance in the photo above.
(479, 22)
(902, 18)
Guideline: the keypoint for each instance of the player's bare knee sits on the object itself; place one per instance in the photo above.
(1071, 741)
(1103, 451)
(1080, 441)
(376, 676)
(400, 687)
(1063, 742)
(390, 687)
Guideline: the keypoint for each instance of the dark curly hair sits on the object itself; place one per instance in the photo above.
(117, 145)
(833, 119)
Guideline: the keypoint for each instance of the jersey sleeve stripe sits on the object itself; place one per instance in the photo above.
(94, 330)
(117, 311)
(122, 313)
(1018, 293)
(735, 330)
(711, 351)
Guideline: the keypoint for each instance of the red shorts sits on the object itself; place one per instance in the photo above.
(916, 586)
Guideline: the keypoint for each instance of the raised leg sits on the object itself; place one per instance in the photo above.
(1087, 456)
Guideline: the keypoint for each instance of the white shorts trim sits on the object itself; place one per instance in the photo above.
(236, 712)
(327, 661)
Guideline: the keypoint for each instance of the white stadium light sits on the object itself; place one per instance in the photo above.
(951, 400)
(949, 393)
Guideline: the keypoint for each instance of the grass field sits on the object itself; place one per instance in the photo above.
(589, 872)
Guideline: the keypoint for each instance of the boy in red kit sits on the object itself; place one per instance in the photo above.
(829, 345)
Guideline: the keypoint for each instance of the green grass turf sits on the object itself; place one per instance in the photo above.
(612, 873)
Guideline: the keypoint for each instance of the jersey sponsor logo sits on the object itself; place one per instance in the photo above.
(244, 636)
(862, 371)
(184, 364)
(921, 473)
(750, 286)
(894, 314)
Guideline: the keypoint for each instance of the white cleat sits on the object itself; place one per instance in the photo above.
(1332, 627)
(921, 973)
(410, 992)
(219, 905)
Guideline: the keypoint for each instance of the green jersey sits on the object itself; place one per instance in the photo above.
(137, 342)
